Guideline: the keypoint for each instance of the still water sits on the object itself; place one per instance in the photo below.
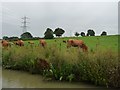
(20, 79)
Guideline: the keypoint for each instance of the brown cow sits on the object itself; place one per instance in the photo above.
(43, 42)
(5, 43)
(19, 43)
(77, 43)
(31, 43)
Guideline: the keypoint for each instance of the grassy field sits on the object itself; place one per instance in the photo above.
(99, 66)
(93, 42)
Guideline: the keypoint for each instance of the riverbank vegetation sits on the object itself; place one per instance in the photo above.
(98, 67)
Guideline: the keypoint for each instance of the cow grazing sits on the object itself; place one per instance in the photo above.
(15, 42)
(43, 42)
(19, 43)
(5, 43)
(77, 43)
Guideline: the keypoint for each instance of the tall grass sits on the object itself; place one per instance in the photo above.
(98, 67)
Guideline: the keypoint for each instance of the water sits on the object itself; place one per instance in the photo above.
(20, 79)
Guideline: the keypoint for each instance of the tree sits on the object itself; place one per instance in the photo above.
(104, 33)
(59, 32)
(13, 38)
(5, 37)
(48, 34)
(90, 32)
(82, 34)
(77, 34)
(26, 35)
(87, 34)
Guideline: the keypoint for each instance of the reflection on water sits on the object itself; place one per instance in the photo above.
(19, 79)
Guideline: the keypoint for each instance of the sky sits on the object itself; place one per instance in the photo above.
(70, 16)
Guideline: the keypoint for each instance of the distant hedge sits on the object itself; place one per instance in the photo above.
(35, 38)
(25, 39)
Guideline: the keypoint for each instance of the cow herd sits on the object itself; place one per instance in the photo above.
(43, 43)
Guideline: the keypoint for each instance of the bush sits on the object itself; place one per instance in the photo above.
(103, 33)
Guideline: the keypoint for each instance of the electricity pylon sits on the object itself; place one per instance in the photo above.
(24, 24)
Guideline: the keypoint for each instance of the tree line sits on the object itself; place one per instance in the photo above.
(49, 34)
(90, 32)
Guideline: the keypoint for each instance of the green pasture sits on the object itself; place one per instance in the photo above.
(93, 42)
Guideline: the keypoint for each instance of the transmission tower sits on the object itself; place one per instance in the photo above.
(24, 26)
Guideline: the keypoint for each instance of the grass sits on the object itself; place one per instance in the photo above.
(103, 42)
(99, 66)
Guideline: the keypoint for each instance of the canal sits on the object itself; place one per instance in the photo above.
(20, 79)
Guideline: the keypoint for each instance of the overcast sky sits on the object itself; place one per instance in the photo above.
(70, 16)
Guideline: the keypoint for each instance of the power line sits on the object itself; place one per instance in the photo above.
(24, 24)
